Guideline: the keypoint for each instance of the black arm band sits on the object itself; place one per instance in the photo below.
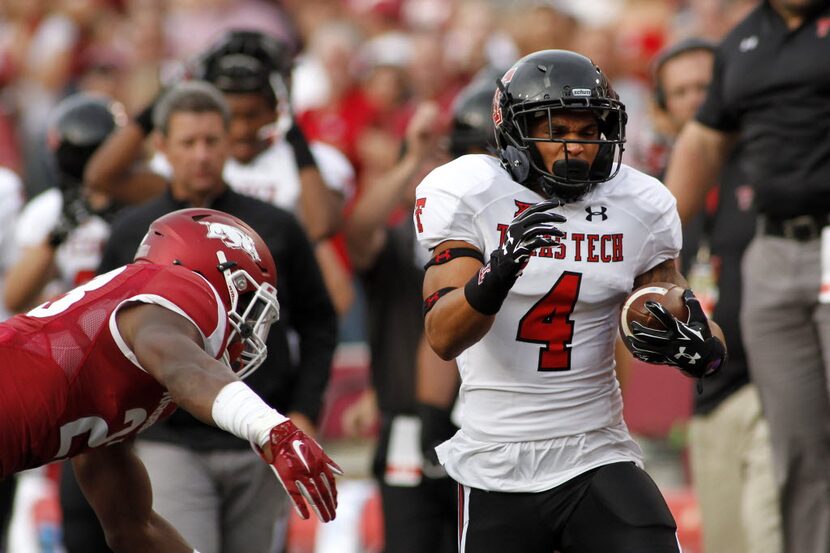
(430, 300)
(302, 151)
(145, 118)
(453, 253)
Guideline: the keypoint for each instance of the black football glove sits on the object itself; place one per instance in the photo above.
(688, 346)
(74, 211)
(532, 229)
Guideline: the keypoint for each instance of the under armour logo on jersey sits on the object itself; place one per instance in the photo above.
(681, 352)
(596, 212)
(232, 237)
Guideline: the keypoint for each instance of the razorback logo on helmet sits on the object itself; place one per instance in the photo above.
(232, 237)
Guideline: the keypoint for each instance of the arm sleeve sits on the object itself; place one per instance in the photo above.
(337, 172)
(441, 214)
(313, 319)
(715, 113)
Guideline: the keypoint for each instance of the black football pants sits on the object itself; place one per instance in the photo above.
(616, 508)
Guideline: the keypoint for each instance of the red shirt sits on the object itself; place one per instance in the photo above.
(69, 383)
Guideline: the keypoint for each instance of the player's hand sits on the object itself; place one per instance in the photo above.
(436, 428)
(687, 346)
(532, 229)
(304, 470)
(74, 211)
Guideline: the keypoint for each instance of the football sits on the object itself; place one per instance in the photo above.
(667, 294)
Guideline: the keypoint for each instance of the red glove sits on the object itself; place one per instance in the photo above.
(304, 470)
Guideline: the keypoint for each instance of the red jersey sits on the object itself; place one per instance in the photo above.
(68, 381)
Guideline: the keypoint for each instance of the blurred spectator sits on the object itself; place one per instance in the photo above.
(418, 508)
(222, 497)
(776, 126)
(61, 230)
(540, 27)
(192, 25)
(11, 200)
(345, 111)
(728, 435)
(58, 243)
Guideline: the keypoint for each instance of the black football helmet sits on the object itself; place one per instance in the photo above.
(247, 61)
(552, 81)
(80, 124)
(472, 119)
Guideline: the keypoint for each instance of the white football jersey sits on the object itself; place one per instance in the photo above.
(78, 257)
(272, 176)
(544, 373)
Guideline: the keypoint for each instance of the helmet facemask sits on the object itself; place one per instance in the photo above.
(253, 309)
(570, 179)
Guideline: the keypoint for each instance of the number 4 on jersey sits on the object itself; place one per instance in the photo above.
(549, 323)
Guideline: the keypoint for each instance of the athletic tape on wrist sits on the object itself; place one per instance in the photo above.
(238, 410)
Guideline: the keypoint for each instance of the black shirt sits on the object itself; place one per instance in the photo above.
(305, 308)
(728, 230)
(394, 320)
(772, 86)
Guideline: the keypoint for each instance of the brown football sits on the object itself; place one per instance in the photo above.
(667, 294)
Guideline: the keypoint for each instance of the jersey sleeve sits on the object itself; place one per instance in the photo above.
(335, 168)
(190, 295)
(159, 165)
(714, 112)
(441, 213)
(38, 217)
(665, 237)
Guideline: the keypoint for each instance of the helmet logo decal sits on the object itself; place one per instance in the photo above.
(232, 237)
(497, 115)
(581, 92)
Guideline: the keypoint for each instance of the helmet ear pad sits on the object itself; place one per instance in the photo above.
(517, 162)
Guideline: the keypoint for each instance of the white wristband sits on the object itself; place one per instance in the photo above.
(238, 410)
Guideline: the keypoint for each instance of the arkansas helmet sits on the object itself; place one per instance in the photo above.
(540, 85)
(233, 258)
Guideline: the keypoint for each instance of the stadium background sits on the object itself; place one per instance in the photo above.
(362, 67)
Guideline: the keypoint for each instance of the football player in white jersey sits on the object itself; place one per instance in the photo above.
(533, 256)
(270, 157)
(59, 234)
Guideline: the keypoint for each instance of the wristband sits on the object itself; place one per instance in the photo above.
(302, 151)
(238, 410)
(487, 289)
(144, 119)
(56, 238)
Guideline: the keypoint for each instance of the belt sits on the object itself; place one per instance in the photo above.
(802, 228)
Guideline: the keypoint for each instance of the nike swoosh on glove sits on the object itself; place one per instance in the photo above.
(304, 470)
(688, 346)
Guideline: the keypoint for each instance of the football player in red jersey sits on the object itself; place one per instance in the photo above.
(83, 374)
